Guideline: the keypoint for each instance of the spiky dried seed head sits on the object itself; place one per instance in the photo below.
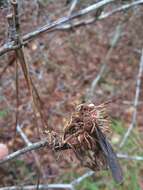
(80, 134)
(86, 117)
(86, 133)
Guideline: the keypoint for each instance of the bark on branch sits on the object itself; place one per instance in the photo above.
(59, 24)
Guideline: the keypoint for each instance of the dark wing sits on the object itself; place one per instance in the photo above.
(110, 156)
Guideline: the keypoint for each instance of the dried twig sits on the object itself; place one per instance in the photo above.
(73, 183)
(34, 146)
(41, 186)
(43, 143)
(28, 143)
(58, 24)
(81, 178)
(36, 101)
(105, 61)
(131, 102)
(50, 27)
(114, 42)
(136, 99)
(127, 157)
(23, 135)
(122, 8)
(84, 22)
(72, 7)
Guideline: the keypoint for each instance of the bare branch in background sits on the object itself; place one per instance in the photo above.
(134, 116)
(59, 23)
(76, 24)
(28, 143)
(122, 8)
(132, 103)
(72, 7)
(57, 146)
(34, 146)
(23, 135)
(73, 183)
(52, 186)
(34, 95)
(127, 157)
(49, 27)
(105, 61)
(40, 187)
(81, 178)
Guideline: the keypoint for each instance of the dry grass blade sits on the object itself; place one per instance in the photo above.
(17, 92)
(20, 55)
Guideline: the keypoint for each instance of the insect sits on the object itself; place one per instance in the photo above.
(86, 133)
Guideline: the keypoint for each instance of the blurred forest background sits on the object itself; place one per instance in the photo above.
(85, 59)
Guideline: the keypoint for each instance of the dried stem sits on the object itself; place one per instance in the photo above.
(23, 135)
(73, 6)
(122, 8)
(41, 186)
(136, 100)
(81, 178)
(35, 155)
(104, 62)
(58, 24)
(20, 54)
(34, 146)
(127, 157)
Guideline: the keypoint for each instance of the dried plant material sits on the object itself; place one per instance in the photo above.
(86, 133)
(55, 141)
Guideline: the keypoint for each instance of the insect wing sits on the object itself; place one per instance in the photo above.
(110, 156)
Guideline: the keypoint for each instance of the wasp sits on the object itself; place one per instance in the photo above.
(87, 134)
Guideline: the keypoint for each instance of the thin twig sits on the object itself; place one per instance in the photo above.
(51, 186)
(11, 46)
(73, 183)
(104, 62)
(58, 24)
(36, 101)
(81, 178)
(77, 24)
(41, 186)
(131, 102)
(23, 135)
(72, 7)
(136, 100)
(122, 8)
(28, 143)
(34, 146)
(127, 157)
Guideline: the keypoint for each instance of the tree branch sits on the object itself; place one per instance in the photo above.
(136, 100)
(55, 146)
(41, 186)
(48, 27)
(127, 157)
(31, 147)
(59, 24)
